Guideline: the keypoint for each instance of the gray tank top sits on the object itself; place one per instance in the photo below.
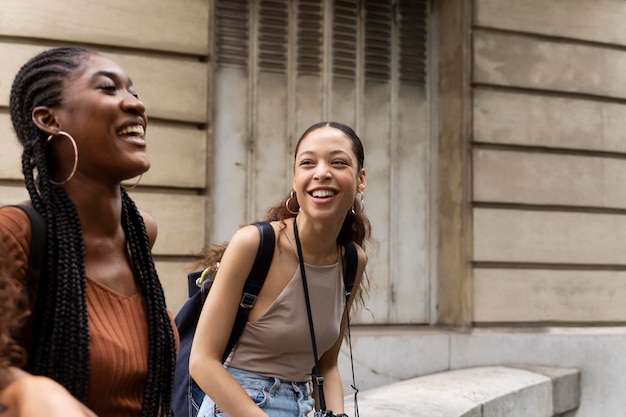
(278, 344)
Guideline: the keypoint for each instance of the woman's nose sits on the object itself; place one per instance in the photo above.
(133, 103)
(322, 171)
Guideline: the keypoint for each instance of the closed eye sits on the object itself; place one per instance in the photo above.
(112, 89)
(108, 88)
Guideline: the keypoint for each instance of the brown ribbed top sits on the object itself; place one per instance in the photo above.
(119, 351)
(117, 324)
(15, 233)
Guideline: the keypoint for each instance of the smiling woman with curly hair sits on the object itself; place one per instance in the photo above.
(22, 394)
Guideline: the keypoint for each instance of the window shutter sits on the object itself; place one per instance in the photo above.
(309, 47)
(377, 40)
(232, 33)
(413, 35)
(345, 44)
(273, 35)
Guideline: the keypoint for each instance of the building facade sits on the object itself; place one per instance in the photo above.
(495, 138)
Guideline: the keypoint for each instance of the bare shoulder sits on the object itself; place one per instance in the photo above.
(361, 254)
(151, 226)
(35, 396)
(245, 240)
(241, 251)
(236, 262)
(362, 257)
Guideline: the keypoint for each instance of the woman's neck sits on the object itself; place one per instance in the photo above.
(319, 243)
(99, 210)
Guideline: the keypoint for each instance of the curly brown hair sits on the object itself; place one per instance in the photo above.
(13, 312)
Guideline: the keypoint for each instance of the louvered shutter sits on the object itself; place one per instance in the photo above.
(282, 65)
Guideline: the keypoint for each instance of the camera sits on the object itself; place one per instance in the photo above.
(328, 413)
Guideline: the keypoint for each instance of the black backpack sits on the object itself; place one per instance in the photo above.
(37, 251)
(187, 396)
(36, 262)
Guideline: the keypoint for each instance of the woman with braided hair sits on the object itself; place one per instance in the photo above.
(21, 394)
(100, 326)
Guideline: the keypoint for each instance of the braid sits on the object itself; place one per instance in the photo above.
(60, 312)
(162, 351)
(61, 309)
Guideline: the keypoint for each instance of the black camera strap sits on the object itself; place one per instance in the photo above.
(318, 378)
(351, 271)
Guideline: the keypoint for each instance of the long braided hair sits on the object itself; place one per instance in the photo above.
(60, 340)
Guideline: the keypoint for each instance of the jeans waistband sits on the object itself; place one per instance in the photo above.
(275, 383)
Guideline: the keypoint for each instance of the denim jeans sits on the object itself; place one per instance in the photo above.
(277, 398)
(196, 396)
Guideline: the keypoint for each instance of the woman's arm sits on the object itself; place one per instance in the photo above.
(35, 396)
(216, 323)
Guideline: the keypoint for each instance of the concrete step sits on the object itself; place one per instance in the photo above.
(487, 391)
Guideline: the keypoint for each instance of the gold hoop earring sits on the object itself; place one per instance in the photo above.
(135, 184)
(287, 204)
(353, 211)
(67, 135)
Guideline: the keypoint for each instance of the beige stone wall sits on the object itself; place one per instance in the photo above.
(164, 46)
(537, 88)
(548, 161)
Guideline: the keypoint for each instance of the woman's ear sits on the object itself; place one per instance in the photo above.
(44, 119)
(362, 181)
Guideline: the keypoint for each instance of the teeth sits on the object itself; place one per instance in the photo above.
(133, 130)
(322, 193)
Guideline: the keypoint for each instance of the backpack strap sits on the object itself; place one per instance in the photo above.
(37, 250)
(36, 257)
(255, 281)
(351, 260)
(351, 264)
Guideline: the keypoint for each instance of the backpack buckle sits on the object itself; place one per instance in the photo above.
(247, 301)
